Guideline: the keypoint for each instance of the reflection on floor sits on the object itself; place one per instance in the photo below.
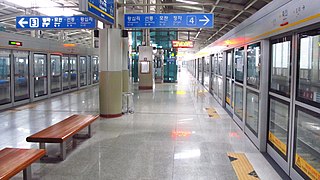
(170, 136)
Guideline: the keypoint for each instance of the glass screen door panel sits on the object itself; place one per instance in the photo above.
(220, 64)
(253, 65)
(56, 75)
(229, 92)
(73, 72)
(83, 70)
(89, 70)
(238, 101)
(95, 69)
(229, 64)
(220, 87)
(21, 75)
(252, 111)
(40, 75)
(280, 66)
(308, 90)
(307, 143)
(239, 64)
(279, 125)
(66, 72)
(5, 79)
(207, 72)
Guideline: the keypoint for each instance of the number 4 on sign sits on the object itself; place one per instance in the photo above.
(191, 20)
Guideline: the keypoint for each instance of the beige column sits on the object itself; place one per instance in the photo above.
(110, 85)
(125, 70)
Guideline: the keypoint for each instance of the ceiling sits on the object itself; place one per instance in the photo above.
(228, 14)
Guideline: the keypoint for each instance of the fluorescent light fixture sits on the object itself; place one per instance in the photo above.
(188, 2)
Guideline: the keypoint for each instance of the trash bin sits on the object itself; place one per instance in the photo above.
(127, 103)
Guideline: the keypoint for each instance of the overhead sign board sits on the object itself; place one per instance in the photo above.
(102, 10)
(204, 20)
(55, 22)
(182, 44)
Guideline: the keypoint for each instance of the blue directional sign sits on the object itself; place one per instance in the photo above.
(55, 22)
(102, 10)
(204, 20)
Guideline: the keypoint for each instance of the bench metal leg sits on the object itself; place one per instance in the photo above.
(27, 173)
(63, 150)
(42, 145)
(84, 136)
(89, 131)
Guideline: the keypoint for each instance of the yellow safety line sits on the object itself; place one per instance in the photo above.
(242, 167)
(90, 4)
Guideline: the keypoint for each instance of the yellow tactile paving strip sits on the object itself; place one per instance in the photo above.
(242, 166)
(212, 113)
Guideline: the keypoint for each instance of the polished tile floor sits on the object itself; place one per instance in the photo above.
(169, 136)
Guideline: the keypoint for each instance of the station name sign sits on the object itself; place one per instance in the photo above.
(102, 10)
(55, 22)
(182, 44)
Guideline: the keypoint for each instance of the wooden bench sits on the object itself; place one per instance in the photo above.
(14, 160)
(60, 132)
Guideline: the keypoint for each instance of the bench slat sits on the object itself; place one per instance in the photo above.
(62, 130)
(14, 160)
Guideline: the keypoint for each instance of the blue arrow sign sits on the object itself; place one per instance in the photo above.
(204, 20)
(98, 9)
(55, 22)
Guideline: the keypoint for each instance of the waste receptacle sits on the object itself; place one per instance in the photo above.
(127, 103)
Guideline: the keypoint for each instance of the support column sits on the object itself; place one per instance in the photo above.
(125, 70)
(110, 85)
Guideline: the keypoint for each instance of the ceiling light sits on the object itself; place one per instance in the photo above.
(188, 2)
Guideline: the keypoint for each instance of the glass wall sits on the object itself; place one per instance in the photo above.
(253, 65)
(56, 75)
(5, 80)
(280, 66)
(73, 71)
(40, 75)
(83, 70)
(21, 75)
(239, 64)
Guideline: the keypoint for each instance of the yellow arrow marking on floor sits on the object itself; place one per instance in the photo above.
(212, 113)
(242, 166)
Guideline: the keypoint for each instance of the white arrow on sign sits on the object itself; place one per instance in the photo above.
(22, 23)
(206, 20)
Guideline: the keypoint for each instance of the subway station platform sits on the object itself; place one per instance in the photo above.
(169, 136)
